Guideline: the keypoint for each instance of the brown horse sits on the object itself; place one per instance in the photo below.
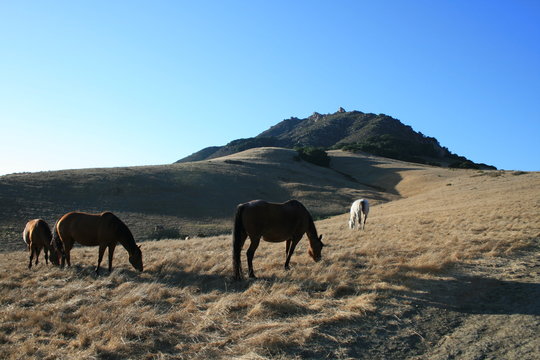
(37, 235)
(274, 223)
(104, 230)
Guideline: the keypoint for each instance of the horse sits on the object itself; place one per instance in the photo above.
(358, 208)
(37, 235)
(274, 223)
(104, 230)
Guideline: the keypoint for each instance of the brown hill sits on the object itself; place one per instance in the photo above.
(448, 267)
(197, 198)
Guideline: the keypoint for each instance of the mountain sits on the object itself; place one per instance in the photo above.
(352, 131)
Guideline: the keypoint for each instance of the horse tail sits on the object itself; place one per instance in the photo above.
(26, 237)
(239, 234)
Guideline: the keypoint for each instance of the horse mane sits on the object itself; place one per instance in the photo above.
(125, 237)
(311, 225)
(311, 230)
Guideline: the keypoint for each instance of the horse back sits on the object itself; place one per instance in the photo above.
(275, 222)
(92, 229)
(80, 227)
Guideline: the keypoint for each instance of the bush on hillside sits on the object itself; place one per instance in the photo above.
(162, 232)
(393, 147)
(250, 143)
(314, 155)
(467, 164)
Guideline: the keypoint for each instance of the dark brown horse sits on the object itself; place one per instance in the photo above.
(37, 235)
(104, 230)
(274, 223)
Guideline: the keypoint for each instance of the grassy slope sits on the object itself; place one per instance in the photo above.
(190, 198)
(359, 301)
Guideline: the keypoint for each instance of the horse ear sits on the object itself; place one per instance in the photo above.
(320, 240)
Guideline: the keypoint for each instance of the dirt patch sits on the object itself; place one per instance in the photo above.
(486, 309)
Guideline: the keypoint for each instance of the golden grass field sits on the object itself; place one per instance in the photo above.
(425, 280)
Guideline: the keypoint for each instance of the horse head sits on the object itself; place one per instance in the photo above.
(56, 250)
(54, 256)
(135, 258)
(315, 248)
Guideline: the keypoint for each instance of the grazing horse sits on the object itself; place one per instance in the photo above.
(274, 223)
(104, 230)
(37, 235)
(358, 208)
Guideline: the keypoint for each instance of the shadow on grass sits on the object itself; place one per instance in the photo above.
(476, 295)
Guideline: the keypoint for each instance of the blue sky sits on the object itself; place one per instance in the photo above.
(121, 83)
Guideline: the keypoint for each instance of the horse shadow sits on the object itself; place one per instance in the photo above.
(178, 277)
(476, 295)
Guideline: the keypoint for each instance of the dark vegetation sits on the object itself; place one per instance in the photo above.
(352, 131)
(394, 147)
(314, 155)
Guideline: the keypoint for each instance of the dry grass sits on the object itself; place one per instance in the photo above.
(184, 304)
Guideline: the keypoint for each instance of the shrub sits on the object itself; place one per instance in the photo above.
(162, 232)
(467, 164)
(314, 155)
(393, 147)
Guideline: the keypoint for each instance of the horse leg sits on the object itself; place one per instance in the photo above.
(111, 253)
(31, 257)
(67, 244)
(46, 252)
(365, 219)
(38, 251)
(287, 247)
(100, 257)
(290, 252)
(68, 257)
(250, 253)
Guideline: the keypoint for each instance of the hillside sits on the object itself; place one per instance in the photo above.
(354, 131)
(190, 199)
(448, 266)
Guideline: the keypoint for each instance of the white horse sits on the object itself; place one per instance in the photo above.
(358, 208)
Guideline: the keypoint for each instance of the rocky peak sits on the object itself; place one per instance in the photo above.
(315, 116)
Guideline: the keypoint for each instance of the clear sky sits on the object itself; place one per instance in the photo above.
(121, 83)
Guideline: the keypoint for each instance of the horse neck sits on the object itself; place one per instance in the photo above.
(127, 242)
(312, 232)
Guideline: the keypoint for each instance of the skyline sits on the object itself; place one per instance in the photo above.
(103, 84)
